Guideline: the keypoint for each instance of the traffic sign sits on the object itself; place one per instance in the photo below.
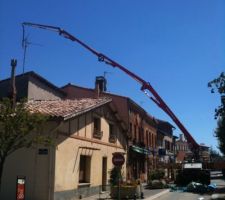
(118, 159)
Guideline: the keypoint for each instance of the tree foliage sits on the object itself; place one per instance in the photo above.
(19, 128)
(115, 176)
(214, 155)
(220, 133)
(218, 85)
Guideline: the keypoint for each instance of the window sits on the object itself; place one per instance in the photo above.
(168, 145)
(111, 129)
(139, 135)
(135, 132)
(147, 138)
(150, 140)
(84, 172)
(153, 144)
(112, 134)
(97, 128)
(131, 128)
(43, 151)
(97, 124)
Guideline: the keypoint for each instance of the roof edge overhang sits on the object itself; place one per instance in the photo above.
(69, 116)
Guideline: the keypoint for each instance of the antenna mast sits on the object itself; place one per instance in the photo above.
(25, 44)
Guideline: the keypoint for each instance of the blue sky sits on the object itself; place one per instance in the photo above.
(176, 45)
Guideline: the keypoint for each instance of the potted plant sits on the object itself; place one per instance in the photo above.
(119, 188)
(155, 179)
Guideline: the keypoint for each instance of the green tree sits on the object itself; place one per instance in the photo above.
(214, 154)
(218, 85)
(18, 129)
(220, 133)
(115, 175)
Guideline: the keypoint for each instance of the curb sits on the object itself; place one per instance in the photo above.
(157, 195)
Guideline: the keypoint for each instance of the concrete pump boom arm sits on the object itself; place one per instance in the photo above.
(144, 85)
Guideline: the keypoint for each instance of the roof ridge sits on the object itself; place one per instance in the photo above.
(92, 89)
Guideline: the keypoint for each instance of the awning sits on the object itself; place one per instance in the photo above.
(141, 150)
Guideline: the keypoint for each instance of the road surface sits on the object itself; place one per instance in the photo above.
(216, 177)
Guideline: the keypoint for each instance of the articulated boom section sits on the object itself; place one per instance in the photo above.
(159, 101)
(145, 85)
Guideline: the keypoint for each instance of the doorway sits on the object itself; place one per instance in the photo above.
(104, 173)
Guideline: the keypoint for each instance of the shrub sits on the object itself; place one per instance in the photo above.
(156, 174)
(157, 184)
(115, 176)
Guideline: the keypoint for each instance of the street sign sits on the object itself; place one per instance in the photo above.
(118, 159)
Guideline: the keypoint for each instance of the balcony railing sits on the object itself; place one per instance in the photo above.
(97, 134)
(112, 138)
(169, 152)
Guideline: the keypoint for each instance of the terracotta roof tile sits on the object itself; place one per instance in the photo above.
(66, 108)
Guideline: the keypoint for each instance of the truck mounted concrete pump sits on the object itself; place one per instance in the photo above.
(145, 86)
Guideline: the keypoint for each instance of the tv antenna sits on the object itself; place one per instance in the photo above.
(25, 44)
(105, 73)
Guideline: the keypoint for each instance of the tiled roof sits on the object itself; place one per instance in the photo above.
(66, 108)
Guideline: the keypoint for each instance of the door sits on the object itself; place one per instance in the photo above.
(104, 173)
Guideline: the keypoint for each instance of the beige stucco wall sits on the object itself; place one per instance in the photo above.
(40, 91)
(81, 142)
(36, 168)
(67, 164)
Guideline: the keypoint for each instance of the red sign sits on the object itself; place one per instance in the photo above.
(118, 159)
(20, 189)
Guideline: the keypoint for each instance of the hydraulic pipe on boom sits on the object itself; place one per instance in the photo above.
(144, 85)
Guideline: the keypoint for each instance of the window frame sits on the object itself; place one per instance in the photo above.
(97, 132)
(85, 168)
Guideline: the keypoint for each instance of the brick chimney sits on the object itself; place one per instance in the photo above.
(100, 85)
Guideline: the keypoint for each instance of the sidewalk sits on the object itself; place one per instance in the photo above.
(148, 194)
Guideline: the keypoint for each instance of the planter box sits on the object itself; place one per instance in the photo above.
(125, 192)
